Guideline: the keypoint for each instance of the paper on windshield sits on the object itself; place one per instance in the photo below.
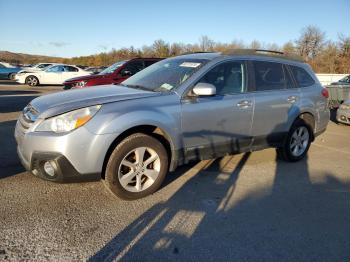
(190, 64)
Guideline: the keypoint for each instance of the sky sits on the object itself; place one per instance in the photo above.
(69, 28)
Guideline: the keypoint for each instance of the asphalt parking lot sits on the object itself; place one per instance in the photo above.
(247, 207)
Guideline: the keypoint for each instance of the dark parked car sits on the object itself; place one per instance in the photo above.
(114, 74)
(8, 72)
(343, 81)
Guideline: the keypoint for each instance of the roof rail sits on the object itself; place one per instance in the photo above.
(263, 52)
(198, 52)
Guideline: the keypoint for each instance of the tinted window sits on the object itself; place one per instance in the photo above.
(43, 65)
(345, 79)
(149, 62)
(302, 77)
(269, 76)
(70, 69)
(228, 78)
(2, 66)
(55, 69)
(289, 81)
(133, 67)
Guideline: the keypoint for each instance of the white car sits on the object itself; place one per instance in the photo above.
(37, 67)
(53, 75)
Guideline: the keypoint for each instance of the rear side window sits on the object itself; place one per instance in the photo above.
(270, 76)
(70, 69)
(302, 77)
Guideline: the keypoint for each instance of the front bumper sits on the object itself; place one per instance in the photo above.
(343, 116)
(20, 79)
(77, 156)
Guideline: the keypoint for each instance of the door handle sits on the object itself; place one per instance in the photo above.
(244, 104)
(292, 99)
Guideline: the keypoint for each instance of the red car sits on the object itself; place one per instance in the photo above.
(114, 74)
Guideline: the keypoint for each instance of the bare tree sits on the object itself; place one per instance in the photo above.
(310, 42)
(255, 44)
(161, 48)
(344, 45)
(289, 48)
(206, 44)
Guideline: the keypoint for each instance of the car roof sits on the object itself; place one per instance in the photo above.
(246, 53)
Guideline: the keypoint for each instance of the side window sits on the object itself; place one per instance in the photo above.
(133, 67)
(149, 62)
(228, 78)
(2, 66)
(70, 69)
(288, 78)
(269, 76)
(302, 77)
(56, 69)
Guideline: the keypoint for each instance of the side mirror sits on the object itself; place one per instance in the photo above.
(126, 73)
(204, 89)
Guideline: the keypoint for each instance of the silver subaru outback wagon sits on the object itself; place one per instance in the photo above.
(191, 107)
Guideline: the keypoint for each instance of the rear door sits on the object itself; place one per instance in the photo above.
(213, 126)
(69, 72)
(52, 75)
(275, 98)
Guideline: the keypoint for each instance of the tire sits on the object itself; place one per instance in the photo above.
(12, 76)
(127, 177)
(32, 81)
(299, 136)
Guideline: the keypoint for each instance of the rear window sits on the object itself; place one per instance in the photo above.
(270, 76)
(302, 77)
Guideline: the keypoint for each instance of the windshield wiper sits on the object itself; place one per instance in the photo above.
(138, 87)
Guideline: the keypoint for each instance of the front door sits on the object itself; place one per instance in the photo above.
(53, 75)
(214, 126)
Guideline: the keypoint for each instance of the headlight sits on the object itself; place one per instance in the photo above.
(68, 121)
(345, 107)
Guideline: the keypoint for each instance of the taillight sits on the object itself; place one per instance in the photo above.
(325, 92)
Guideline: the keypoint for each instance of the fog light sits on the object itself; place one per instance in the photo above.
(50, 168)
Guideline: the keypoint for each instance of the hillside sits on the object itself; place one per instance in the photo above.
(19, 58)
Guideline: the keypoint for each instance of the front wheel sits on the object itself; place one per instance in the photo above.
(32, 81)
(136, 167)
(297, 142)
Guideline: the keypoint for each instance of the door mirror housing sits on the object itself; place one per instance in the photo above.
(204, 89)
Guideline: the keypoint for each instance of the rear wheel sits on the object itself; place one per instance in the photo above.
(136, 167)
(297, 142)
(32, 81)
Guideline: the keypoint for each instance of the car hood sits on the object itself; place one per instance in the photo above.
(87, 77)
(58, 103)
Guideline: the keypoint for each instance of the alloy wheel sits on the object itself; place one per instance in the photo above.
(299, 141)
(139, 169)
(32, 81)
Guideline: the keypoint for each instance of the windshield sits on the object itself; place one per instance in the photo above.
(165, 75)
(112, 68)
(345, 79)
